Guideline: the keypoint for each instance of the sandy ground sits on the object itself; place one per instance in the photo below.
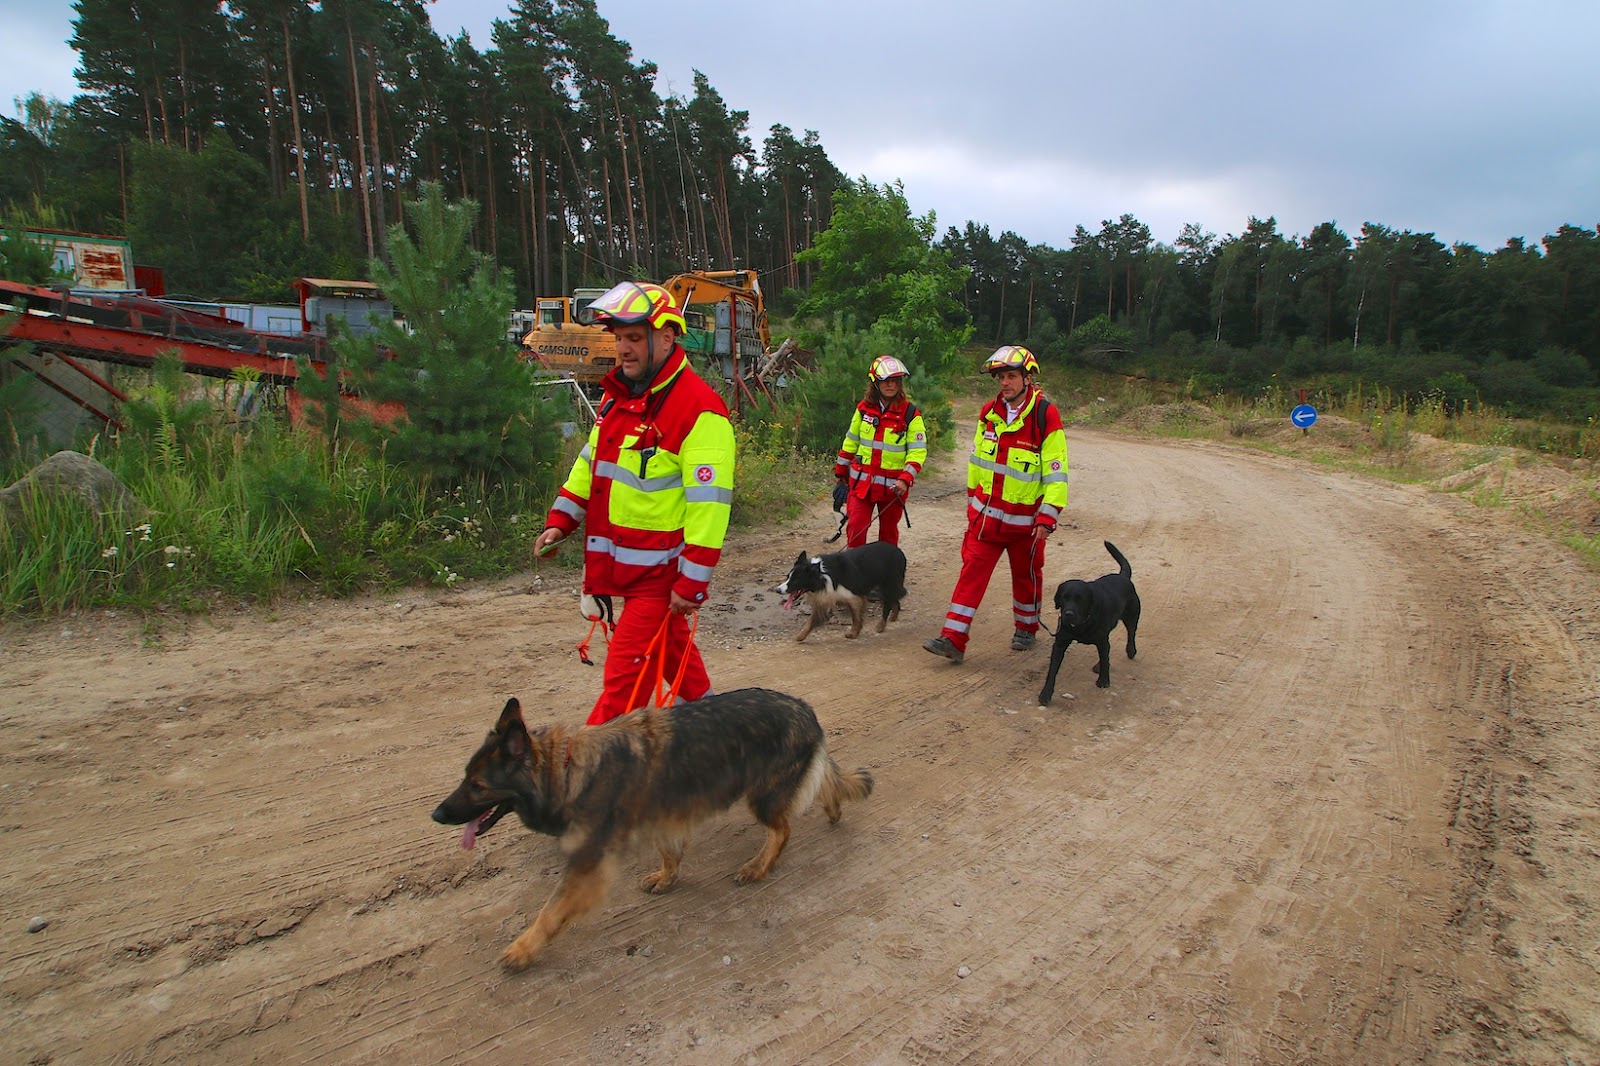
(1341, 809)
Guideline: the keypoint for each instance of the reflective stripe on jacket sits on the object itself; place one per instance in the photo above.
(885, 444)
(1017, 474)
(652, 487)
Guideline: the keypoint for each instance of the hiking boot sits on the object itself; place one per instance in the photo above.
(1021, 640)
(941, 645)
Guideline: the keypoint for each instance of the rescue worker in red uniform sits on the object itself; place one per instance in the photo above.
(1016, 491)
(882, 454)
(653, 489)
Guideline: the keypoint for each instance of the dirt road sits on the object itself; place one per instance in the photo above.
(1341, 809)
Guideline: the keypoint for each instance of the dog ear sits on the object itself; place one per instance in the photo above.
(514, 737)
(800, 560)
(513, 733)
(511, 713)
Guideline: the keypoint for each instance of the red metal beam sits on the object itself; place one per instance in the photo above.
(91, 375)
(44, 378)
(142, 349)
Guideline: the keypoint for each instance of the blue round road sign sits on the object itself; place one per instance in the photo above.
(1304, 416)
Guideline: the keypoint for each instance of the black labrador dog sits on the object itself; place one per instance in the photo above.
(1090, 610)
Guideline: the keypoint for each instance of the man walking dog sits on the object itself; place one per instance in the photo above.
(653, 489)
(1016, 491)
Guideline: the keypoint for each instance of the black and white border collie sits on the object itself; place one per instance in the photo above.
(847, 578)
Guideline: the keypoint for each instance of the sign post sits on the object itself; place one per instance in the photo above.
(1304, 416)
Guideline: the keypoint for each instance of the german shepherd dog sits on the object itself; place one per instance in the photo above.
(1090, 610)
(847, 578)
(654, 773)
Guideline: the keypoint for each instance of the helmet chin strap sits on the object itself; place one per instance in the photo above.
(650, 367)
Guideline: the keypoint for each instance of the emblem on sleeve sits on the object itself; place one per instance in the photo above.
(705, 474)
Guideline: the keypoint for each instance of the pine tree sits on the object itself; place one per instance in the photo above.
(470, 408)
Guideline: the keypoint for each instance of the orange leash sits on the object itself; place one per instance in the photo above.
(658, 648)
(659, 639)
(602, 618)
(683, 663)
(583, 646)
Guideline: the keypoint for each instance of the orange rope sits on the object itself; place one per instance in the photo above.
(683, 663)
(583, 646)
(660, 638)
(663, 693)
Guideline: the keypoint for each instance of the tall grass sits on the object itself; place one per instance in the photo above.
(256, 512)
(1379, 437)
(1463, 421)
(772, 479)
(260, 511)
(1389, 416)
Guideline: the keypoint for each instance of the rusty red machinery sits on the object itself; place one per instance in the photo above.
(132, 330)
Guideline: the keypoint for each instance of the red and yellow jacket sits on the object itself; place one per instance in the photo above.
(885, 444)
(653, 487)
(1017, 475)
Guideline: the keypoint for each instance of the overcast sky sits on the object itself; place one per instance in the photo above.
(1476, 120)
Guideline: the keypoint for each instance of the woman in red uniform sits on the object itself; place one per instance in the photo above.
(881, 455)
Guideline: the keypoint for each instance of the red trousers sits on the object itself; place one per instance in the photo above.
(627, 662)
(858, 517)
(978, 559)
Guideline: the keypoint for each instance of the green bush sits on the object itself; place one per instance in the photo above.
(471, 415)
(1513, 384)
(772, 481)
(1562, 368)
(1103, 344)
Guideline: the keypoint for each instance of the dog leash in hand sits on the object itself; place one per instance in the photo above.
(905, 512)
(676, 691)
(658, 648)
(836, 533)
(840, 495)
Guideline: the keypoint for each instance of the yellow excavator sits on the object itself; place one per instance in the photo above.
(724, 309)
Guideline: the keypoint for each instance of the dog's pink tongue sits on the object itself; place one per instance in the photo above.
(788, 601)
(469, 836)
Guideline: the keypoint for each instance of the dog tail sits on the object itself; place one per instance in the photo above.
(835, 786)
(1127, 571)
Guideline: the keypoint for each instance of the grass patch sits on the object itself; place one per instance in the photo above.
(1586, 545)
(773, 481)
(254, 513)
